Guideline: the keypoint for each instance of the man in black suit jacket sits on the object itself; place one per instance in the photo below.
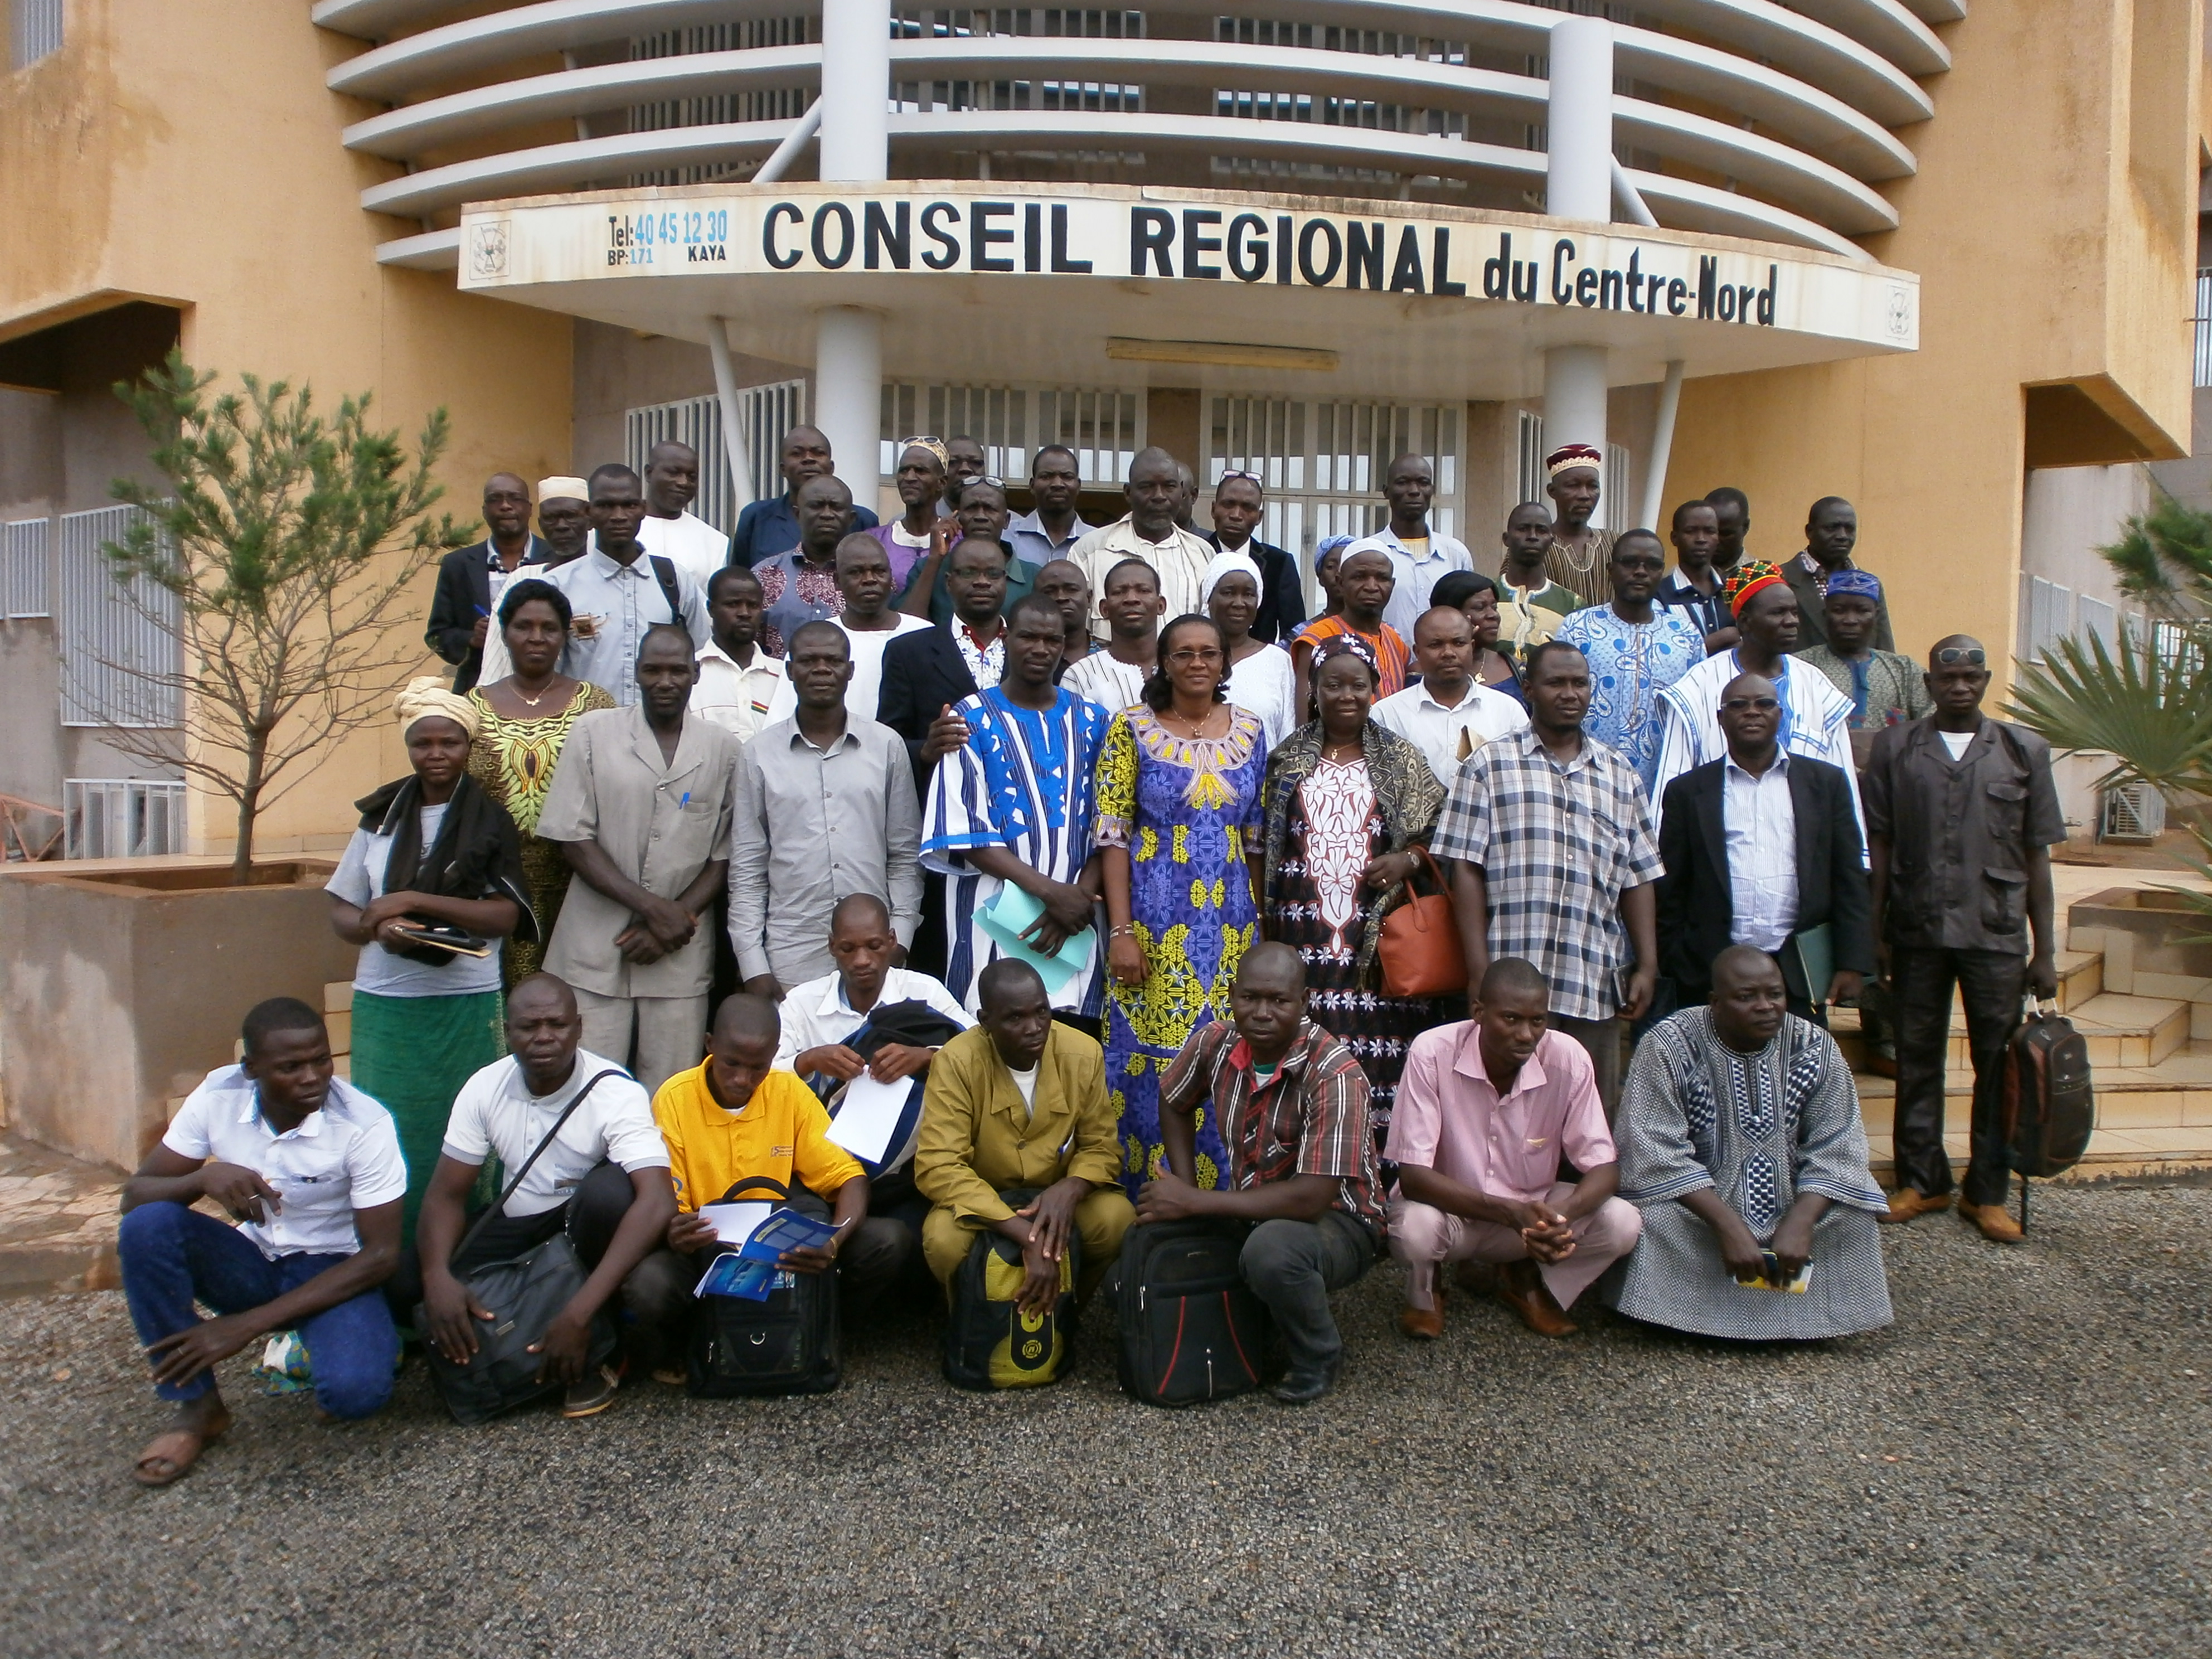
(1785, 823)
(461, 608)
(1239, 504)
(926, 674)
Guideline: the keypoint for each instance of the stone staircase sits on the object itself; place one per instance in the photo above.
(2151, 1055)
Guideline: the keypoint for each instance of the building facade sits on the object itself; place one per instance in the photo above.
(1939, 258)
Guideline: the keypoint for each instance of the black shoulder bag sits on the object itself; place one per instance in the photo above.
(525, 1294)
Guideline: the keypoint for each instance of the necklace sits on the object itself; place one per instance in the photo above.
(1335, 752)
(1197, 728)
(531, 702)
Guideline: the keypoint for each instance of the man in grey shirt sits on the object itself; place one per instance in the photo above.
(618, 591)
(641, 801)
(825, 808)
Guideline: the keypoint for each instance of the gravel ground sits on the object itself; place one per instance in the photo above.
(2020, 1466)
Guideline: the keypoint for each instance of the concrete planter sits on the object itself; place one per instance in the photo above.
(126, 980)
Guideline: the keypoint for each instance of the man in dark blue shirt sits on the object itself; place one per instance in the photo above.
(769, 527)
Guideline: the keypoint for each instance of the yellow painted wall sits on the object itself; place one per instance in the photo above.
(2052, 224)
(188, 150)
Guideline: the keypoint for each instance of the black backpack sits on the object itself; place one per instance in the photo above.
(988, 1343)
(1192, 1330)
(787, 1344)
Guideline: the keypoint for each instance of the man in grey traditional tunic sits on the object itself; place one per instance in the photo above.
(1741, 1142)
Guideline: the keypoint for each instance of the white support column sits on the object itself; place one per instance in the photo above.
(737, 439)
(855, 149)
(1663, 447)
(1574, 397)
(1578, 169)
(849, 394)
(1579, 185)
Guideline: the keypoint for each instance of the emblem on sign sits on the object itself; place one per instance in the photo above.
(1900, 314)
(487, 249)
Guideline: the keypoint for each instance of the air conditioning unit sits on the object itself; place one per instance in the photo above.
(2133, 813)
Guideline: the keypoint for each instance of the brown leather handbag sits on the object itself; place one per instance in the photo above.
(1420, 949)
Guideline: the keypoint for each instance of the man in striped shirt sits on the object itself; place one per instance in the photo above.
(1291, 1104)
(1553, 861)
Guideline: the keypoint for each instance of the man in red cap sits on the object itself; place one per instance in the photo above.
(1580, 552)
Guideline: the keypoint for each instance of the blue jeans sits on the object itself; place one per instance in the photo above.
(172, 1256)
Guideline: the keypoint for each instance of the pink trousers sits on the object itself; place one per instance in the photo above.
(1421, 1237)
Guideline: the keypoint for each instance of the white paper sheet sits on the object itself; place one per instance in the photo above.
(733, 1224)
(870, 1111)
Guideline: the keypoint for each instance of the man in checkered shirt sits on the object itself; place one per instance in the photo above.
(1553, 861)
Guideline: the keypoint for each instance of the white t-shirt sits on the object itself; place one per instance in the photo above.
(690, 544)
(495, 1112)
(341, 1158)
(383, 972)
(1956, 742)
(1026, 1082)
(1103, 678)
(868, 645)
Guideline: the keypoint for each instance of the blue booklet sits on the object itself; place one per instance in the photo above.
(731, 1274)
(750, 1271)
(786, 1229)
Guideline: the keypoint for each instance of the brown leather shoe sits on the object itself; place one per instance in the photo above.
(1522, 1288)
(1910, 1203)
(1995, 1222)
(1424, 1324)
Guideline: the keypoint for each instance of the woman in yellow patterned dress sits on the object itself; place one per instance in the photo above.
(1179, 839)
(527, 718)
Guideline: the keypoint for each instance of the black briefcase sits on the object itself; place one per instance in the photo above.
(787, 1344)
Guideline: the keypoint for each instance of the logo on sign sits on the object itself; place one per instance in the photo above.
(487, 249)
(1900, 314)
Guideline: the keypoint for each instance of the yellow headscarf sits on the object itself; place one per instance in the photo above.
(426, 695)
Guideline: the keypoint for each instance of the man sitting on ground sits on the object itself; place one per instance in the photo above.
(1485, 1110)
(733, 1118)
(1021, 1101)
(1291, 1103)
(310, 1167)
(821, 1016)
(1741, 1142)
(603, 1182)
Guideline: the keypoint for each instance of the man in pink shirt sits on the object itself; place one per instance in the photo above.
(1485, 1109)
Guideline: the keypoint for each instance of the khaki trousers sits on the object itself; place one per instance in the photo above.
(670, 1033)
(1100, 1220)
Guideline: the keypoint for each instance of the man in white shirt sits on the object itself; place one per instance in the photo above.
(1449, 715)
(1131, 604)
(821, 1014)
(864, 583)
(603, 1180)
(742, 686)
(310, 1167)
(1148, 533)
(1419, 557)
(671, 529)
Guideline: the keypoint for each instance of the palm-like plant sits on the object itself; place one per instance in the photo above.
(2147, 700)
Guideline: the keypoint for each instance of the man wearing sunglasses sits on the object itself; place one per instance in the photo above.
(1961, 815)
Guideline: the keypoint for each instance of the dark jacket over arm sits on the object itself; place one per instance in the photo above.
(1697, 911)
(923, 671)
(463, 594)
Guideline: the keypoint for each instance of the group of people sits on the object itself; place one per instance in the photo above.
(1095, 832)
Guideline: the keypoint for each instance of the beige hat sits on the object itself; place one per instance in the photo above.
(556, 489)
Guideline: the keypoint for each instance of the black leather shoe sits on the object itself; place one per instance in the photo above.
(1301, 1388)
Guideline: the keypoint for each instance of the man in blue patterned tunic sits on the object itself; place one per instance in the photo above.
(1740, 1140)
(1012, 806)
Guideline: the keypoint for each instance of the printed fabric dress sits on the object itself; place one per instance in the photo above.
(1629, 665)
(1325, 820)
(512, 760)
(1186, 811)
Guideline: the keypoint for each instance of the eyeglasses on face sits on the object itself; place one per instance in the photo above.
(1194, 655)
(1957, 656)
(1761, 705)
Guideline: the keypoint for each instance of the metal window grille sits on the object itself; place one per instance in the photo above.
(1528, 472)
(2097, 618)
(122, 817)
(2203, 321)
(1614, 490)
(34, 30)
(1104, 429)
(1323, 465)
(768, 412)
(2046, 616)
(121, 644)
(26, 569)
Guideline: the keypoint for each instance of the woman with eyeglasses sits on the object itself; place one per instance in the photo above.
(1260, 677)
(1463, 590)
(1345, 798)
(1178, 835)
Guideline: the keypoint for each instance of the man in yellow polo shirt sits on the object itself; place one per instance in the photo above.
(732, 1118)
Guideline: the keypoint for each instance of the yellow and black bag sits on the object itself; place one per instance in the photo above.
(988, 1342)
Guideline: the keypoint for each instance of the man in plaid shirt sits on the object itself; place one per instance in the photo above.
(1291, 1105)
(1553, 861)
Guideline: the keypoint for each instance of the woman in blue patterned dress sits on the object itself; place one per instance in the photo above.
(1178, 834)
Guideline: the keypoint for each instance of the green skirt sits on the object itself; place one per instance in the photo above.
(413, 1054)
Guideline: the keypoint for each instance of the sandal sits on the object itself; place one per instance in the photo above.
(179, 1449)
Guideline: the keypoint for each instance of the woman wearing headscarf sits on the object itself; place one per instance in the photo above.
(1345, 798)
(1260, 677)
(524, 718)
(435, 857)
(1328, 555)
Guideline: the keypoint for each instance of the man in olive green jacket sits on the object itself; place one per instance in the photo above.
(1021, 1101)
